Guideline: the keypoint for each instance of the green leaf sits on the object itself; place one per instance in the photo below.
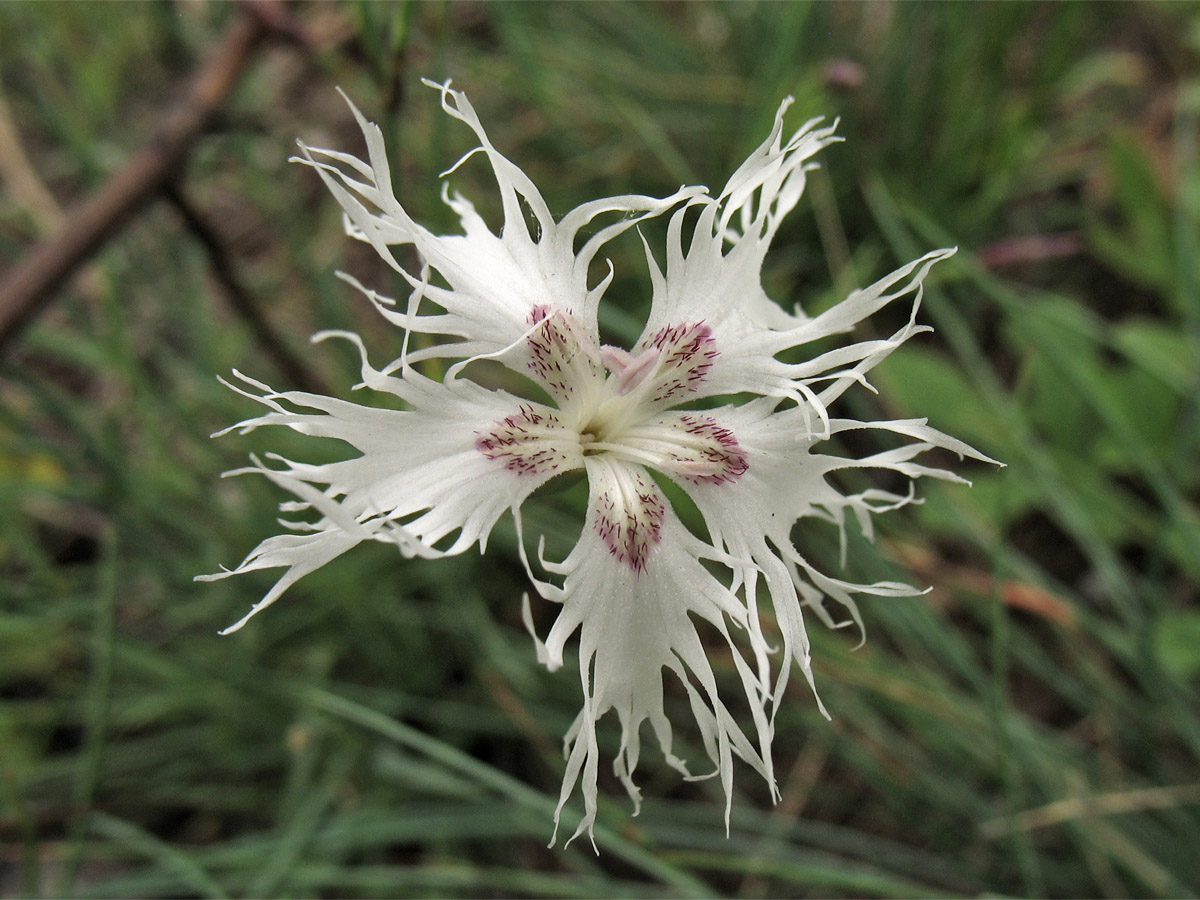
(1177, 640)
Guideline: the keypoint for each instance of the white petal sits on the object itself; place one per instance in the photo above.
(493, 282)
(421, 475)
(633, 623)
(716, 281)
(751, 516)
(720, 273)
(768, 185)
(300, 554)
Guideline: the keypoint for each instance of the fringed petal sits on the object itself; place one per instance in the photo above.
(490, 283)
(635, 624)
(785, 481)
(421, 480)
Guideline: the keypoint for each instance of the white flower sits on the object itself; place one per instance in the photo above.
(435, 477)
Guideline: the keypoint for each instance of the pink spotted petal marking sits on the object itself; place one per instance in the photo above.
(685, 354)
(525, 442)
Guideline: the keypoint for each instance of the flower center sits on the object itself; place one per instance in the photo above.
(613, 419)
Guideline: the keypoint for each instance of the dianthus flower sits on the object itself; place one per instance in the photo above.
(434, 478)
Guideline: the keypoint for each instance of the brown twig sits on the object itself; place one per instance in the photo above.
(31, 284)
(225, 272)
(1030, 248)
(23, 183)
(927, 563)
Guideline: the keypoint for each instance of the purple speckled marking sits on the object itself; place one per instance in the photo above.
(687, 353)
(632, 529)
(555, 348)
(515, 441)
(720, 449)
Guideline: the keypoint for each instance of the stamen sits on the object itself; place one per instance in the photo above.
(628, 370)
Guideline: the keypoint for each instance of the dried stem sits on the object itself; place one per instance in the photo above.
(29, 286)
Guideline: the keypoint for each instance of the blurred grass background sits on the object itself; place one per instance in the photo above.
(1028, 728)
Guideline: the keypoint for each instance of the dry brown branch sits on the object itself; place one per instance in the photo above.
(24, 185)
(27, 288)
(1031, 248)
(934, 569)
